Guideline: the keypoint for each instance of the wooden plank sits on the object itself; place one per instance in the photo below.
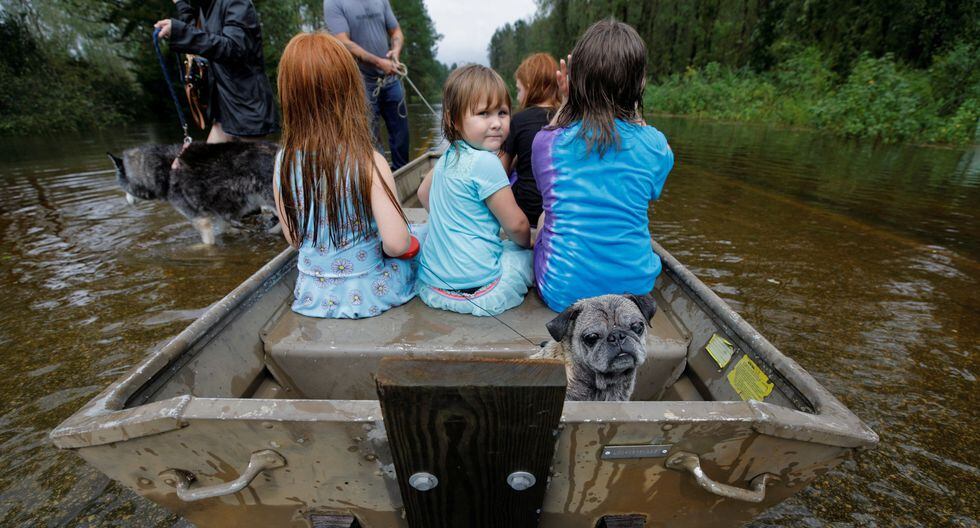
(320, 520)
(622, 521)
(472, 423)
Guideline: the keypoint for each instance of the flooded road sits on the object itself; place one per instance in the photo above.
(861, 262)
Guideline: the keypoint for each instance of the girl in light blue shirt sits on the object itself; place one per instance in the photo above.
(465, 267)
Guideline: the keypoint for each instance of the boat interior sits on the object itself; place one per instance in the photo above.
(297, 357)
(336, 359)
(256, 347)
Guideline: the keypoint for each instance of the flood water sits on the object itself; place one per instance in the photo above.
(861, 262)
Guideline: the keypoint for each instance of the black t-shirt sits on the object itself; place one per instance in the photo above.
(523, 127)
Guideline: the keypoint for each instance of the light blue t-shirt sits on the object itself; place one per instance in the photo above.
(463, 247)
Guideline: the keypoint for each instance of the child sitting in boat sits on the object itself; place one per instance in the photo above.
(598, 166)
(465, 267)
(334, 193)
(537, 92)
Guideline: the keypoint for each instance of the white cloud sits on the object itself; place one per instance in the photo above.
(467, 25)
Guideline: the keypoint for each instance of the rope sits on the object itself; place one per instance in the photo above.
(445, 285)
(401, 71)
(170, 86)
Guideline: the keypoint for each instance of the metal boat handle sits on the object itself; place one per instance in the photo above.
(259, 461)
(684, 461)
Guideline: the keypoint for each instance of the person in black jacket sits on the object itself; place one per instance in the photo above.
(241, 101)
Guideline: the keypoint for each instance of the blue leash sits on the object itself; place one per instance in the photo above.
(170, 85)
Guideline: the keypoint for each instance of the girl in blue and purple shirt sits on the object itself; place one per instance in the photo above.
(598, 166)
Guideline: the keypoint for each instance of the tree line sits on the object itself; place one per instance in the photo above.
(81, 64)
(929, 50)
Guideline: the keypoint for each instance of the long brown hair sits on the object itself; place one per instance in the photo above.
(326, 140)
(606, 81)
(468, 89)
(537, 74)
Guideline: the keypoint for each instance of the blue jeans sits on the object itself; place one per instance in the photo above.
(389, 104)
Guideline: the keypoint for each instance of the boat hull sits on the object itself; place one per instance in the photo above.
(250, 376)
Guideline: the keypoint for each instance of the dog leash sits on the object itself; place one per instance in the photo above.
(448, 287)
(173, 95)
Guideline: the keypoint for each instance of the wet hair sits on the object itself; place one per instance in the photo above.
(470, 88)
(606, 79)
(325, 139)
(537, 74)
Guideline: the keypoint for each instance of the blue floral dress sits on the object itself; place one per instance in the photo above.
(352, 279)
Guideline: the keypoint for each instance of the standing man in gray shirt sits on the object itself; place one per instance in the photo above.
(371, 33)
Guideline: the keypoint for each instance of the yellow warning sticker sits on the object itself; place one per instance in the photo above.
(721, 350)
(749, 381)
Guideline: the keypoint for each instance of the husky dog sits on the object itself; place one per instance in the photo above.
(602, 341)
(213, 183)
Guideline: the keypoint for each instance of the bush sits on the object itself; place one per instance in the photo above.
(955, 77)
(961, 127)
(802, 71)
(713, 91)
(878, 100)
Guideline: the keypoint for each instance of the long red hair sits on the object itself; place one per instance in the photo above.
(325, 139)
(537, 74)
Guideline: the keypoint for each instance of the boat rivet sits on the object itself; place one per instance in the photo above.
(274, 444)
(423, 481)
(300, 440)
(521, 480)
(370, 458)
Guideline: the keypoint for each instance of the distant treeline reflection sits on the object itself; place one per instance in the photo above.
(895, 71)
(70, 65)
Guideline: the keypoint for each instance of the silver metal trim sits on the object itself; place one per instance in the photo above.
(635, 451)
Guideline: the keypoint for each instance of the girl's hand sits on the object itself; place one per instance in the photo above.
(164, 27)
(562, 75)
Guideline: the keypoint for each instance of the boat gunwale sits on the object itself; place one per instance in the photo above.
(831, 423)
(109, 407)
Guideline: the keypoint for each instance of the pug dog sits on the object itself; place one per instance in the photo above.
(602, 341)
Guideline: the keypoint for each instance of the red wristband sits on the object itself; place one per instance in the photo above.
(413, 249)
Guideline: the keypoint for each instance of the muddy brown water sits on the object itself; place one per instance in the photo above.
(860, 261)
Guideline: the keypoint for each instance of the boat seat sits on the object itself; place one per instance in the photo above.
(337, 358)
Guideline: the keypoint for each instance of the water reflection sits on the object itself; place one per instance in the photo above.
(859, 261)
(864, 274)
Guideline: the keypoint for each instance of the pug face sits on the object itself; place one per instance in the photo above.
(606, 334)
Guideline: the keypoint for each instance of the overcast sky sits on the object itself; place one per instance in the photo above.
(467, 25)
